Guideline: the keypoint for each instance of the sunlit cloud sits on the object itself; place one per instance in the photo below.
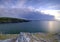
(55, 13)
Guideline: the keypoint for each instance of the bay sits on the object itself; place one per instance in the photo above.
(32, 26)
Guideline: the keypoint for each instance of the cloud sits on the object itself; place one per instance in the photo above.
(24, 13)
(20, 3)
(42, 4)
(14, 12)
(12, 3)
(21, 8)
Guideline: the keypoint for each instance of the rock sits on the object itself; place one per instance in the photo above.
(23, 38)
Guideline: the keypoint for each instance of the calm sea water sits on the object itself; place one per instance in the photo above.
(32, 26)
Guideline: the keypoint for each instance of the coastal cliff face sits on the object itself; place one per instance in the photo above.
(11, 20)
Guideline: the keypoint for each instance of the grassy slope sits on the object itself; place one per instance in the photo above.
(7, 36)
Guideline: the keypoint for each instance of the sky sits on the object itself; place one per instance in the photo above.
(22, 8)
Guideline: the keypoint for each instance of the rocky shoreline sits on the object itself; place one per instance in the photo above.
(34, 37)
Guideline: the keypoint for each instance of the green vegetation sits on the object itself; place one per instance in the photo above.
(48, 36)
(11, 20)
(7, 36)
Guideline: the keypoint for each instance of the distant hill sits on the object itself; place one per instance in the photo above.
(11, 20)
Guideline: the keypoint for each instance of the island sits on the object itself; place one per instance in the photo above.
(12, 20)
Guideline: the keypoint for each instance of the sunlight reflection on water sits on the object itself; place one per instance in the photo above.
(53, 26)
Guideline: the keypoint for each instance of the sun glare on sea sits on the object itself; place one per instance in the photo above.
(52, 26)
(55, 13)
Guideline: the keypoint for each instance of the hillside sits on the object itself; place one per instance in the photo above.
(11, 20)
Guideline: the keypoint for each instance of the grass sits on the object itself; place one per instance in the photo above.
(47, 36)
(7, 36)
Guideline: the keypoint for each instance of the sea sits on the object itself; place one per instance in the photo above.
(32, 26)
